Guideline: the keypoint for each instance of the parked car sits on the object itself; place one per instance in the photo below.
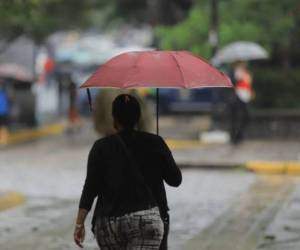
(192, 100)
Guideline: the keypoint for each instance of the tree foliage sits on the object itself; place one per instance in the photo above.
(187, 35)
(39, 18)
(153, 11)
(272, 23)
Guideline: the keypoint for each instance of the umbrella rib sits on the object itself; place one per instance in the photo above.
(135, 66)
(177, 64)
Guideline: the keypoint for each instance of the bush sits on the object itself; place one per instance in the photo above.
(276, 88)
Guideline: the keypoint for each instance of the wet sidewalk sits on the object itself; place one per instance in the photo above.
(284, 231)
(263, 156)
(181, 134)
(256, 155)
(266, 217)
(12, 198)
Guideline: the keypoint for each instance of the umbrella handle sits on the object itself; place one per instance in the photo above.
(157, 111)
(89, 98)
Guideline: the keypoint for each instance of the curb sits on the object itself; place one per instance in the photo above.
(11, 199)
(278, 167)
(31, 134)
(210, 166)
(182, 144)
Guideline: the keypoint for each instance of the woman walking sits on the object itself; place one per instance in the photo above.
(126, 172)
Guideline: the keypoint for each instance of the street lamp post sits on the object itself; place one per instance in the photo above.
(214, 23)
(214, 42)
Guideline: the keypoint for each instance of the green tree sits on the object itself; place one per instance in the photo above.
(39, 18)
(190, 34)
(153, 11)
(272, 23)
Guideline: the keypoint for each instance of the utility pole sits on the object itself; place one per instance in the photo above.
(214, 42)
(214, 23)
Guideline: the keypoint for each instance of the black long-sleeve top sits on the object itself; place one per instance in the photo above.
(110, 180)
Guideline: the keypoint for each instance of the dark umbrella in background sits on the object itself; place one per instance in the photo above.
(22, 52)
(157, 69)
(16, 72)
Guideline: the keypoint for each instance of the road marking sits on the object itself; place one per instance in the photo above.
(276, 167)
(245, 222)
(30, 134)
(10, 200)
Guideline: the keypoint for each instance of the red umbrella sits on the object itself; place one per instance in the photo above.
(159, 69)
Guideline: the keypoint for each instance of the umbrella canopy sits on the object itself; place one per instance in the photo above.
(15, 71)
(239, 51)
(160, 69)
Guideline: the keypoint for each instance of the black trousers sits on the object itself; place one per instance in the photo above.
(239, 120)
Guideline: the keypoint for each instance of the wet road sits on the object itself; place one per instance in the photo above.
(47, 222)
(51, 172)
(243, 226)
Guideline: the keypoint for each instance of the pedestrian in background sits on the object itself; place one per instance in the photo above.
(49, 71)
(243, 94)
(73, 112)
(126, 172)
(4, 111)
